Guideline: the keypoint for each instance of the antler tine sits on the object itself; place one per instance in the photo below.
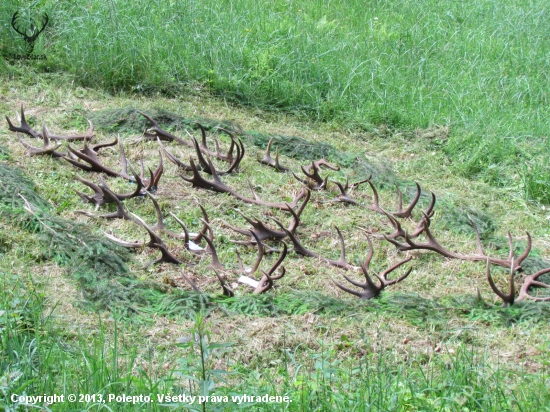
(376, 201)
(157, 243)
(229, 156)
(215, 259)
(159, 225)
(366, 264)
(343, 197)
(296, 215)
(478, 238)
(131, 245)
(46, 149)
(525, 253)
(163, 134)
(532, 281)
(266, 282)
(268, 160)
(24, 128)
(202, 162)
(422, 223)
(508, 299)
(370, 289)
(203, 135)
(189, 244)
(89, 135)
(109, 197)
(226, 290)
(407, 212)
(206, 226)
(382, 276)
(319, 182)
(173, 158)
(342, 261)
(240, 155)
(261, 252)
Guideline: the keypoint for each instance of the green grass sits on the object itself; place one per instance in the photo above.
(478, 66)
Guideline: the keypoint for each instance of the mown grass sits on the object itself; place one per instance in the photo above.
(479, 67)
(426, 344)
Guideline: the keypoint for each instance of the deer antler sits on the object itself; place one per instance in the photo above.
(266, 282)
(218, 154)
(301, 250)
(234, 163)
(343, 196)
(268, 160)
(531, 280)
(371, 289)
(99, 198)
(46, 149)
(407, 213)
(217, 185)
(318, 182)
(509, 298)
(157, 132)
(25, 127)
(263, 232)
(434, 246)
(109, 197)
(90, 156)
(89, 135)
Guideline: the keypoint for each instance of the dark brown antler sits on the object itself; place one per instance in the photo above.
(109, 197)
(89, 154)
(508, 299)
(99, 198)
(218, 154)
(344, 197)
(46, 149)
(532, 280)
(407, 213)
(174, 159)
(266, 282)
(155, 132)
(24, 128)
(263, 232)
(301, 250)
(371, 289)
(234, 163)
(268, 160)
(434, 246)
(217, 185)
(157, 243)
(316, 182)
(422, 224)
(89, 135)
